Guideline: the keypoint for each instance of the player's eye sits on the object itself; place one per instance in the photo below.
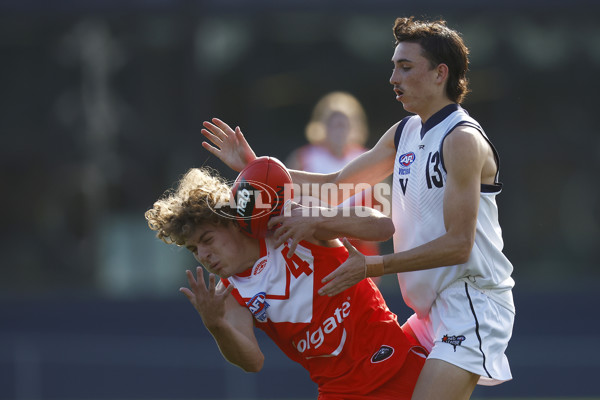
(193, 249)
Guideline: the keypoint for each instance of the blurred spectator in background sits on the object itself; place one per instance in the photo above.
(337, 133)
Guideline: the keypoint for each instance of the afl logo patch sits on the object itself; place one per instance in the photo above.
(258, 306)
(407, 159)
(382, 354)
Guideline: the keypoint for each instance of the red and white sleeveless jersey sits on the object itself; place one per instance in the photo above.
(350, 343)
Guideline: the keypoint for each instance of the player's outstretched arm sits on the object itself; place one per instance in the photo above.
(369, 168)
(228, 145)
(230, 324)
(311, 221)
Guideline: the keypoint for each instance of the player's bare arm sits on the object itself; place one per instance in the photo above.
(230, 324)
(312, 220)
(370, 167)
(231, 147)
(466, 154)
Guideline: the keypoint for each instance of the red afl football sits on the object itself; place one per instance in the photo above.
(260, 191)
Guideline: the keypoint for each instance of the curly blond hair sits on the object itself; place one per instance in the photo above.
(193, 202)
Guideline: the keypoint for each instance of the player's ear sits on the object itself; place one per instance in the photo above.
(442, 72)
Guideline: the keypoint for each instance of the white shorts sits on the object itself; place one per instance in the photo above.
(467, 328)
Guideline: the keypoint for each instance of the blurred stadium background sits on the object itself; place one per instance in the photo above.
(101, 108)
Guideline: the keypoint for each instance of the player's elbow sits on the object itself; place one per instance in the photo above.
(252, 368)
(255, 365)
(385, 229)
(462, 250)
(462, 258)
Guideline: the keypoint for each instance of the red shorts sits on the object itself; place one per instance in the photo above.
(400, 387)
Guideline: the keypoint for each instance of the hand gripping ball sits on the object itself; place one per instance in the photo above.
(259, 192)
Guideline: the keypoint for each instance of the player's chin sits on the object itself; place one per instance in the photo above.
(407, 107)
(224, 275)
(217, 270)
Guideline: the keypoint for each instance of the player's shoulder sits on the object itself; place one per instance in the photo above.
(463, 138)
(465, 147)
(390, 137)
(466, 131)
(468, 134)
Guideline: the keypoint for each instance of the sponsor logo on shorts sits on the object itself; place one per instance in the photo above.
(382, 354)
(453, 340)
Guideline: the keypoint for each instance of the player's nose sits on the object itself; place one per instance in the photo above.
(395, 78)
(203, 255)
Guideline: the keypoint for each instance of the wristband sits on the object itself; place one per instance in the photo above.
(373, 266)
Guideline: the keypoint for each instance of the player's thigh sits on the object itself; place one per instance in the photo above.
(440, 380)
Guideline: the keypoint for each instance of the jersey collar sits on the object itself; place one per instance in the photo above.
(438, 117)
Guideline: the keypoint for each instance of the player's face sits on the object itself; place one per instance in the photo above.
(223, 249)
(413, 78)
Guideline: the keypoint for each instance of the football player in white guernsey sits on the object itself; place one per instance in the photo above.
(263, 285)
(448, 242)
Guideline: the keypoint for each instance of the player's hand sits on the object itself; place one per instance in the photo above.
(228, 145)
(346, 275)
(296, 222)
(209, 302)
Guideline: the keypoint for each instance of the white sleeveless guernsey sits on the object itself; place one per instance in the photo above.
(417, 212)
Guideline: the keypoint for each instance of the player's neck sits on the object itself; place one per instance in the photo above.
(433, 108)
(251, 250)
